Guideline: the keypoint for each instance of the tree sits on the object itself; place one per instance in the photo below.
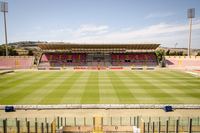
(2, 50)
(30, 52)
(173, 53)
(12, 51)
(167, 52)
(179, 53)
(160, 54)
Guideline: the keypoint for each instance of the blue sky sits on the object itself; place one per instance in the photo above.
(102, 21)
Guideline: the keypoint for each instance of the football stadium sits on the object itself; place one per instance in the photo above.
(104, 67)
(100, 74)
(99, 88)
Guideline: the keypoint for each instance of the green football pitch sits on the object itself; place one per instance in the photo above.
(66, 87)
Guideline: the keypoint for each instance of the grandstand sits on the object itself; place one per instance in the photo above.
(107, 55)
(96, 56)
(183, 61)
(62, 60)
(16, 62)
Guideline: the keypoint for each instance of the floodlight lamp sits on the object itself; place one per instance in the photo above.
(191, 13)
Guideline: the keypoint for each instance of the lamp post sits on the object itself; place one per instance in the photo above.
(4, 9)
(190, 15)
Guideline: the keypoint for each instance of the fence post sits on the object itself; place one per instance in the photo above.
(5, 126)
(102, 123)
(58, 122)
(74, 121)
(52, 131)
(28, 126)
(47, 127)
(18, 126)
(137, 121)
(177, 126)
(143, 127)
(153, 127)
(36, 127)
(190, 126)
(166, 126)
(148, 131)
(16, 121)
(134, 121)
(42, 127)
(159, 126)
(53, 126)
(61, 123)
(84, 121)
(65, 121)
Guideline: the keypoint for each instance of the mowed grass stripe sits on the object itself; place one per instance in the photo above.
(176, 77)
(40, 91)
(10, 95)
(163, 84)
(162, 92)
(146, 97)
(179, 75)
(187, 95)
(106, 91)
(16, 77)
(123, 93)
(23, 91)
(14, 82)
(99, 87)
(140, 89)
(185, 84)
(91, 92)
(10, 76)
(74, 94)
(188, 92)
(152, 90)
(12, 88)
(57, 94)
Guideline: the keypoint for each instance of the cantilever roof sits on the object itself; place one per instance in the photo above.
(69, 46)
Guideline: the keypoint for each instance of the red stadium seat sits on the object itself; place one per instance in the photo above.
(16, 62)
